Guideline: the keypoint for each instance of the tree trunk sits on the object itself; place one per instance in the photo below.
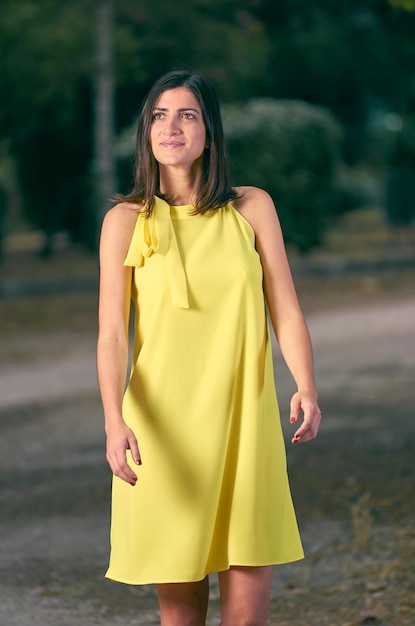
(104, 163)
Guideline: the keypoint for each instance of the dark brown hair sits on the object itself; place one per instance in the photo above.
(214, 189)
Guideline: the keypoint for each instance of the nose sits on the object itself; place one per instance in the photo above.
(171, 126)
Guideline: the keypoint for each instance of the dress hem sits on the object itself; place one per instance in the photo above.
(203, 576)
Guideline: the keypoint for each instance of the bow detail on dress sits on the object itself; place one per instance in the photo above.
(155, 235)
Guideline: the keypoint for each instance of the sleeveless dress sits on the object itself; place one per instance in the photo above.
(212, 490)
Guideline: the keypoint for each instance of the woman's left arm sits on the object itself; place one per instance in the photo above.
(286, 316)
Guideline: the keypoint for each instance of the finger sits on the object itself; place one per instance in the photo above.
(126, 474)
(300, 437)
(308, 430)
(300, 434)
(129, 477)
(295, 408)
(303, 430)
(120, 467)
(135, 452)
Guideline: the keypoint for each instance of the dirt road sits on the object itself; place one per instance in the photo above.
(353, 486)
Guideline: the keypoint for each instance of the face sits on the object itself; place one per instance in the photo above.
(178, 133)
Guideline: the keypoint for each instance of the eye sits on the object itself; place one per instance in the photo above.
(188, 116)
(157, 116)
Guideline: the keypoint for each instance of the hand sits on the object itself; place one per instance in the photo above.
(306, 403)
(119, 440)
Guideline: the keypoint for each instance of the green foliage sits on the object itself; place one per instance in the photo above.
(348, 56)
(351, 58)
(45, 71)
(402, 147)
(291, 149)
(45, 55)
(392, 158)
(406, 5)
(400, 181)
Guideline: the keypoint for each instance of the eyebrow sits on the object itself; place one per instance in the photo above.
(180, 110)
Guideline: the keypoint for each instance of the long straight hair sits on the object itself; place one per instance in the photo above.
(214, 189)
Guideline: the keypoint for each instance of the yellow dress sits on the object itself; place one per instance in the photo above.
(213, 489)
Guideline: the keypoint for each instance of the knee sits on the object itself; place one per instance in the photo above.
(183, 604)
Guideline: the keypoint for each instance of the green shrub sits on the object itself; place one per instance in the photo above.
(291, 149)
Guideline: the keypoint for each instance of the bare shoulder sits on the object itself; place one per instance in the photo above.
(122, 215)
(248, 194)
(256, 206)
(118, 226)
(121, 218)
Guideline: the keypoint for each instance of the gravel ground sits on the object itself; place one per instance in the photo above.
(353, 486)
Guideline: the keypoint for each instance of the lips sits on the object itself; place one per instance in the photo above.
(172, 144)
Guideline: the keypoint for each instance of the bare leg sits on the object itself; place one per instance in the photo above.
(245, 595)
(183, 604)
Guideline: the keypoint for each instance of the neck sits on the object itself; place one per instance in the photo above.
(180, 185)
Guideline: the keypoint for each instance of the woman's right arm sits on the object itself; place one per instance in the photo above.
(112, 349)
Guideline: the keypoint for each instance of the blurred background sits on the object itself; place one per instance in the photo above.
(318, 102)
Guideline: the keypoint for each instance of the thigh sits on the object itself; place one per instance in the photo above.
(183, 604)
(245, 594)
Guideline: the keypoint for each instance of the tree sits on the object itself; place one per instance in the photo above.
(48, 69)
(104, 162)
(46, 116)
(353, 58)
(356, 59)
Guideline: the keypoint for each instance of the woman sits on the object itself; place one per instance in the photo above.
(195, 441)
